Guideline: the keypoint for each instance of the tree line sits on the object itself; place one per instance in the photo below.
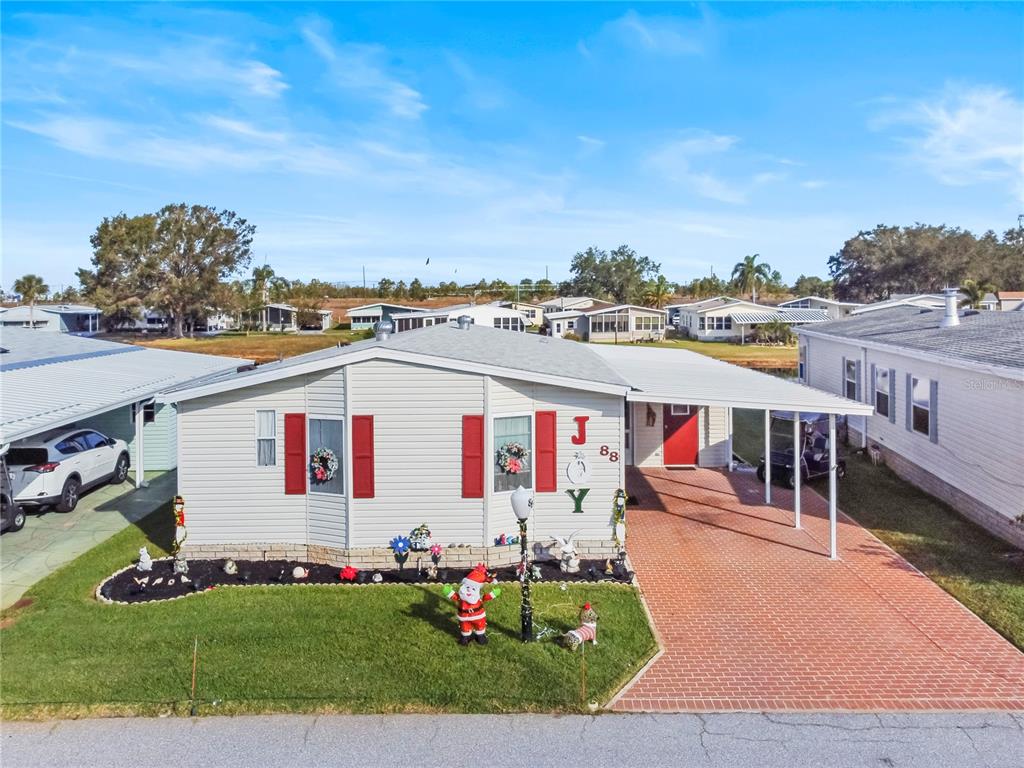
(189, 261)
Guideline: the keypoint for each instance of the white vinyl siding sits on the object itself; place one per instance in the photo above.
(553, 512)
(160, 435)
(978, 422)
(417, 420)
(229, 498)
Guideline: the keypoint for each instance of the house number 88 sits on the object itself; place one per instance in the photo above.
(612, 455)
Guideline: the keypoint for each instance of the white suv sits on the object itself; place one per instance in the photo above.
(56, 468)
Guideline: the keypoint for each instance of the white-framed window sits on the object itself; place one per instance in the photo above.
(679, 410)
(266, 438)
(613, 322)
(508, 323)
(850, 380)
(921, 404)
(701, 323)
(883, 393)
(508, 430)
(148, 412)
(329, 433)
(649, 323)
(802, 364)
(571, 325)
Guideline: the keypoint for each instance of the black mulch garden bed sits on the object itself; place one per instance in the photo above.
(163, 584)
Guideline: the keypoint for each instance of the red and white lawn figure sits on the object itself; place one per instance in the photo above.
(586, 632)
(470, 601)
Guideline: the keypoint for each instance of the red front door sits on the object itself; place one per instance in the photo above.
(680, 446)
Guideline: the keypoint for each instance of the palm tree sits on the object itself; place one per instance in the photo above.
(658, 292)
(748, 274)
(261, 279)
(975, 291)
(30, 288)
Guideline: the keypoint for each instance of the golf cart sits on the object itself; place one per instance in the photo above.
(12, 516)
(813, 448)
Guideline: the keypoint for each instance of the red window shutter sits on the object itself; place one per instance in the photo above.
(472, 457)
(362, 457)
(547, 454)
(295, 453)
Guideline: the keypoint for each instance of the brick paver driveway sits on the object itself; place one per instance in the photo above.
(753, 615)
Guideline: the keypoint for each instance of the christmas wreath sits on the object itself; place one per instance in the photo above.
(512, 458)
(324, 465)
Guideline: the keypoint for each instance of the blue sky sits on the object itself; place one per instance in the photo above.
(498, 140)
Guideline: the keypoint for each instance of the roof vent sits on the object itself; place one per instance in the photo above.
(464, 322)
(383, 329)
(950, 319)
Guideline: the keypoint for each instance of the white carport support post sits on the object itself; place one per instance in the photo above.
(140, 448)
(767, 456)
(833, 552)
(729, 412)
(797, 468)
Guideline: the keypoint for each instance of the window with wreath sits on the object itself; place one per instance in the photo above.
(513, 459)
(326, 449)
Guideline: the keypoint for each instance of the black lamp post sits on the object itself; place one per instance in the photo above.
(522, 503)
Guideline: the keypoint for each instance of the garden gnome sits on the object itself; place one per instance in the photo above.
(470, 601)
(180, 533)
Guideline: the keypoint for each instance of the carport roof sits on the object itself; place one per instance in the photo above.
(660, 375)
(50, 379)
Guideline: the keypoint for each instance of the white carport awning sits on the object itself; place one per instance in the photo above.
(661, 375)
(784, 316)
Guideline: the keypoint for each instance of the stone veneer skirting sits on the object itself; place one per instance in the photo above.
(974, 510)
(455, 556)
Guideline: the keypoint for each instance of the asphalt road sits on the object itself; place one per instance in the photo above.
(956, 740)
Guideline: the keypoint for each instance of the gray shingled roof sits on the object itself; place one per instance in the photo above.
(478, 344)
(988, 337)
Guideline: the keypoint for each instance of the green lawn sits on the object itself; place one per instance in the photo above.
(982, 572)
(300, 648)
(749, 355)
(260, 347)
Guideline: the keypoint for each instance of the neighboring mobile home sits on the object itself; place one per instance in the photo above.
(836, 309)
(614, 323)
(726, 319)
(420, 426)
(1008, 300)
(76, 319)
(363, 318)
(947, 392)
(481, 314)
(534, 313)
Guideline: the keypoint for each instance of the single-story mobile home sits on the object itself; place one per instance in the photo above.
(329, 455)
(363, 318)
(946, 388)
(60, 318)
(836, 309)
(726, 319)
(481, 314)
(622, 322)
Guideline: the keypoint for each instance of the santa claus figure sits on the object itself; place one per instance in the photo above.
(470, 601)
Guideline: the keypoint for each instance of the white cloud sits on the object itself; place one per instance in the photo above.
(813, 184)
(965, 135)
(662, 35)
(244, 129)
(590, 145)
(359, 69)
(675, 161)
(481, 92)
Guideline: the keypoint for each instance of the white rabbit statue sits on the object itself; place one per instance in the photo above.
(570, 561)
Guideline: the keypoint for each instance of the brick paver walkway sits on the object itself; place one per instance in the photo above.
(753, 615)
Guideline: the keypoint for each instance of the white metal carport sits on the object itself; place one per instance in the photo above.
(54, 380)
(660, 375)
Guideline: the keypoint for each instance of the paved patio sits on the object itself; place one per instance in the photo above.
(752, 614)
(50, 539)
